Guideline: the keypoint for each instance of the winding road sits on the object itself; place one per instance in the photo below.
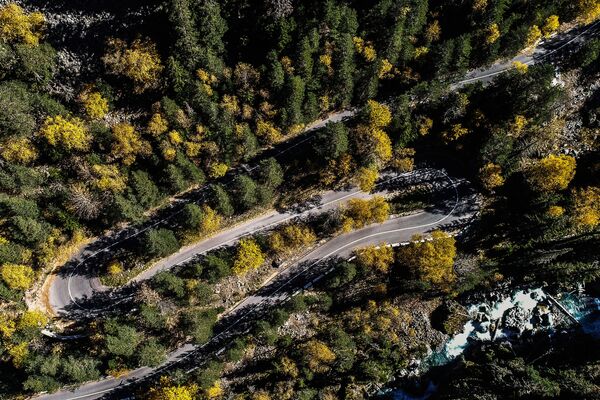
(77, 283)
(456, 207)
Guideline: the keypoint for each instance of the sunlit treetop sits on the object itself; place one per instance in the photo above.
(492, 34)
(379, 114)
(94, 104)
(16, 26)
(552, 173)
(17, 276)
(139, 61)
(18, 150)
(66, 132)
(586, 207)
(589, 10)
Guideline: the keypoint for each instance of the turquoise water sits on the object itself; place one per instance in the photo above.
(526, 300)
(584, 308)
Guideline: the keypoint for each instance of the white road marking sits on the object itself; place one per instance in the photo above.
(380, 233)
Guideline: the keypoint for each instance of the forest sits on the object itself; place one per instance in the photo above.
(171, 122)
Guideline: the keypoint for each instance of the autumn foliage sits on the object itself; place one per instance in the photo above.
(431, 260)
(552, 173)
(586, 207)
(359, 213)
(17, 276)
(69, 133)
(139, 62)
(18, 26)
(249, 257)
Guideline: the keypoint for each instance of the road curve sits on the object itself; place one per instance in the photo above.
(456, 207)
(75, 287)
(392, 231)
(543, 50)
(67, 288)
(77, 283)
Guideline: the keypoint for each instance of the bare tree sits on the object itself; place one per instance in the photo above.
(83, 203)
(279, 8)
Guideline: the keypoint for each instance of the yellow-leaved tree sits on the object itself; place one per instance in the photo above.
(533, 35)
(108, 177)
(168, 391)
(433, 32)
(359, 213)
(157, 125)
(431, 260)
(318, 356)
(366, 178)
(7, 326)
(94, 104)
(268, 132)
(211, 220)
(261, 395)
(404, 159)
(521, 68)
(214, 392)
(518, 125)
(17, 276)
(552, 173)
(18, 150)
(379, 115)
(555, 211)
(290, 238)
(16, 26)
(18, 353)
(373, 144)
(365, 49)
(586, 207)
(139, 62)
(66, 132)
(379, 257)
(128, 143)
(551, 25)
(491, 176)
(217, 170)
(480, 5)
(492, 34)
(589, 10)
(298, 235)
(33, 319)
(249, 257)
(455, 132)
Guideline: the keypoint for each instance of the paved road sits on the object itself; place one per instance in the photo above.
(77, 284)
(455, 207)
(76, 287)
(543, 51)
(450, 213)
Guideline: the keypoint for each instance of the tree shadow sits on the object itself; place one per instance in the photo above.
(560, 46)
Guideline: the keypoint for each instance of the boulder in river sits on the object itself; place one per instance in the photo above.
(516, 319)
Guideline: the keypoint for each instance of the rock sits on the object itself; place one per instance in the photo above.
(483, 327)
(515, 319)
(482, 317)
(414, 364)
(449, 317)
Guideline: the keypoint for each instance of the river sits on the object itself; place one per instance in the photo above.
(507, 318)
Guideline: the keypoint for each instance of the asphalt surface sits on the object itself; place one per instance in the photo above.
(556, 45)
(71, 287)
(77, 288)
(75, 285)
(457, 209)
